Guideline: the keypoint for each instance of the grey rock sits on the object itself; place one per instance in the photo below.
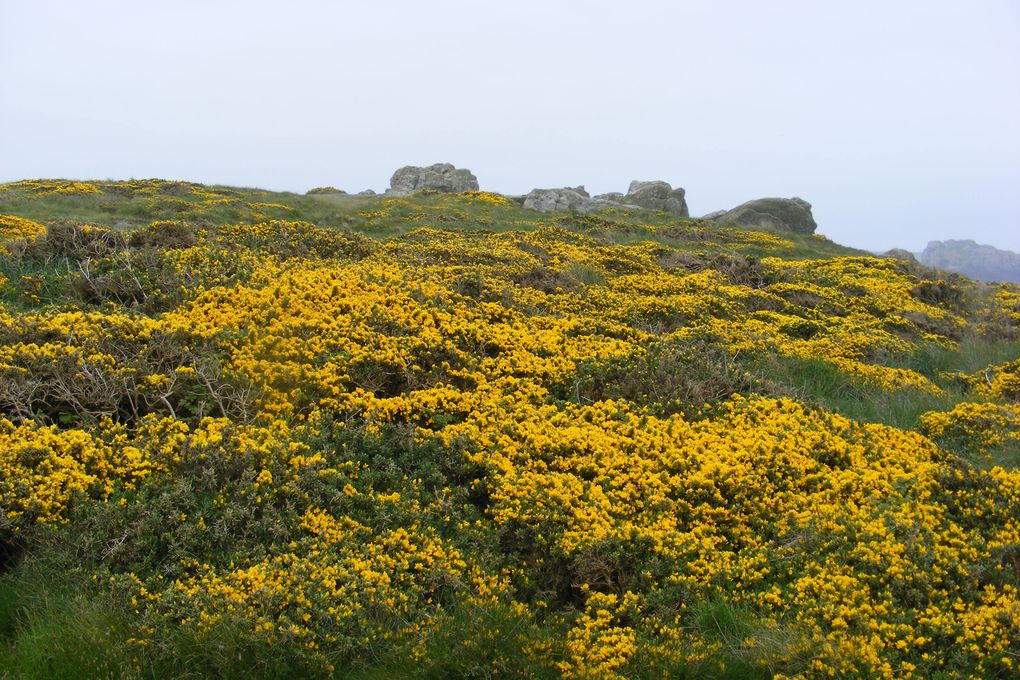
(442, 177)
(561, 200)
(900, 254)
(978, 261)
(713, 216)
(651, 195)
(366, 192)
(657, 195)
(602, 201)
(786, 214)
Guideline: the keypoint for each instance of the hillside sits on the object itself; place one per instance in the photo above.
(982, 262)
(252, 434)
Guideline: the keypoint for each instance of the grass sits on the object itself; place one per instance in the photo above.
(731, 626)
(52, 625)
(33, 283)
(817, 382)
(472, 642)
(1006, 456)
(59, 617)
(55, 624)
(744, 646)
(441, 211)
(130, 212)
(972, 354)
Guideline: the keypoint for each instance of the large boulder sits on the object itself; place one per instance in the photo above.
(439, 177)
(900, 254)
(657, 196)
(651, 195)
(567, 199)
(787, 214)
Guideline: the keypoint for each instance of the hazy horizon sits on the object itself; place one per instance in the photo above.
(900, 122)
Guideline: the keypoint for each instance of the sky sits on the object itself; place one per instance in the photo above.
(898, 120)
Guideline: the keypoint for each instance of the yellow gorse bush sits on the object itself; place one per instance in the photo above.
(13, 228)
(488, 197)
(40, 188)
(44, 468)
(867, 543)
(998, 382)
(981, 426)
(598, 646)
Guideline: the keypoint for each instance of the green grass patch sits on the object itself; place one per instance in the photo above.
(817, 382)
(53, 624)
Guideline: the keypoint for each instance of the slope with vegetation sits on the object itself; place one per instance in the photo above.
(253, 434)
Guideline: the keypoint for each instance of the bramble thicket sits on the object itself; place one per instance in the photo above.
(245, 433)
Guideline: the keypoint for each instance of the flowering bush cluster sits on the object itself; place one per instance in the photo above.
(145, 199)
(13, 228)
(16, 231)
(999, 382)
(488, 197)
(313, 440)
(40, 188)
(980, 426)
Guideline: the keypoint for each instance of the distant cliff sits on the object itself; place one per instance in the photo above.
(977, 261)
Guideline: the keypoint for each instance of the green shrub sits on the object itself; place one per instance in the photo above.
(669, 377)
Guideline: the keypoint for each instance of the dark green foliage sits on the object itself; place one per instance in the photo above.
(670, 377)
(296, 239)
(477, 642)
(164, 235)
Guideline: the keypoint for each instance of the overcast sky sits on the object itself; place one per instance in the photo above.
(898, 120)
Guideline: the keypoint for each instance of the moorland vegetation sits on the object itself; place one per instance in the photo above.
(252, 434)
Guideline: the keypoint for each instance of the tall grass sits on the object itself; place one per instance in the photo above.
(52, 625)
(816, 382)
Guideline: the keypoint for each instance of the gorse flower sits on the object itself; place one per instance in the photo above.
(350, 441)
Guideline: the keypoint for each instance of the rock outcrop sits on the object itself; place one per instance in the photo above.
(442, 177)
(657, 195)
(976, 260)
(567, 199)
(900, 254)
(787, 214)
(651, 195)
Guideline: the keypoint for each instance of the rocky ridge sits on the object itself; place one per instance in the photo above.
(786, 214)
